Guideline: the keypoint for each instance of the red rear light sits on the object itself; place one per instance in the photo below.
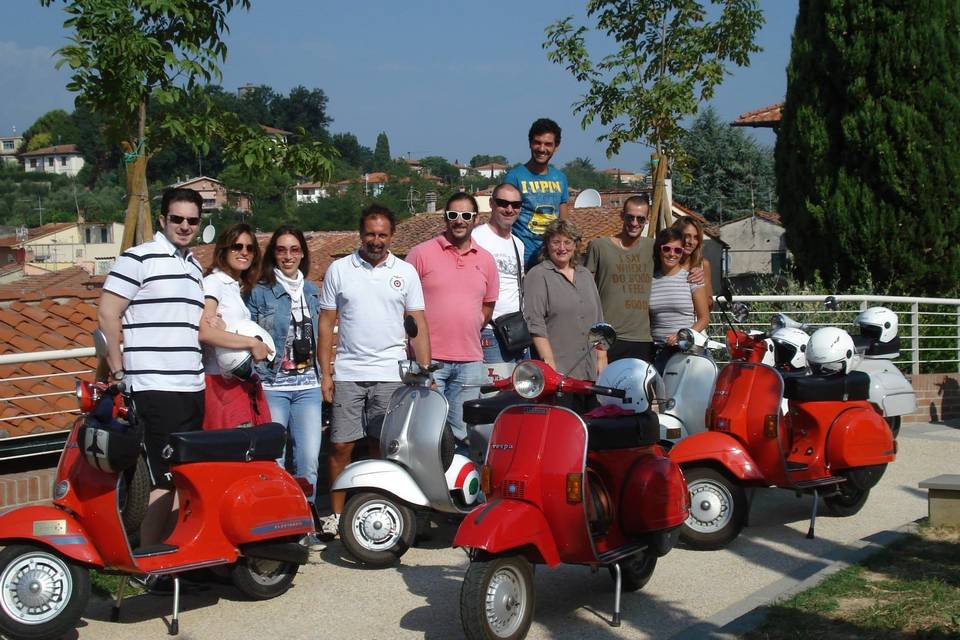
(708, 418)
(770, 426)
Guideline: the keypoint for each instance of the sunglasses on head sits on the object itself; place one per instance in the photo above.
(466, 216)
(505, 204)
(237, 247)
(667, 249)
(175, 219)
(638, 219)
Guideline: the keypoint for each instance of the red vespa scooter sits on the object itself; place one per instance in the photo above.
(238, 510)
(830, 442)
(563, 488)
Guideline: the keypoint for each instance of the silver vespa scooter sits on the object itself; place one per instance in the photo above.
(419, 469)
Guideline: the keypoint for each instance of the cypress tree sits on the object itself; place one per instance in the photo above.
(381, 153)
(868, 152)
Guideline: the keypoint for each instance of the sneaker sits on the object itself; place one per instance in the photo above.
(330, 525)
(313, 542)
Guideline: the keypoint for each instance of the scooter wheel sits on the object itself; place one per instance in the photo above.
(718, 509)
(377, 529)
(497, 598)
(261, 579)
(847, 501)
(635, 571)
(43, 595)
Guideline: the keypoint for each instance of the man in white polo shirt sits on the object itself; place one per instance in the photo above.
(154, 294)
(371, 291)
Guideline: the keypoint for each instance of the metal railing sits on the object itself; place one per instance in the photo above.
(929, 328)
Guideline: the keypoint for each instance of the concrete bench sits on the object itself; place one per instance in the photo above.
(943, 499)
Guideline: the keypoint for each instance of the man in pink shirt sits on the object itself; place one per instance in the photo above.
(460, 287)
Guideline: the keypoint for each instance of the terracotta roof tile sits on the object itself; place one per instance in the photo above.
(45, 151)
(67, 282)
(768, 116)
(36, 232)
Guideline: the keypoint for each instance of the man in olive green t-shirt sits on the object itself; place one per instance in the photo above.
(622, 266)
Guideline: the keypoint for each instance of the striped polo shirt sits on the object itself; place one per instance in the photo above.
(161, 325)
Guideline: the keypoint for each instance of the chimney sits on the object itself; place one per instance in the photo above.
(431, 198)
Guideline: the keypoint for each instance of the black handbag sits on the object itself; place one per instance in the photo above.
(511, 328)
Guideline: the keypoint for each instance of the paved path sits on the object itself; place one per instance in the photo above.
(334, 599)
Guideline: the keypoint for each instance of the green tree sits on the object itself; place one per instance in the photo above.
(481, 159)
(667, 58)
(441, 168)
(352, 152)
(381, 153)
(581, 174)
(53, 127)
(124, 54)
(727, 174)
(866, 156)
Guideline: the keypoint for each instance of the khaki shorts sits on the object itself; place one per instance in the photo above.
(359, 408)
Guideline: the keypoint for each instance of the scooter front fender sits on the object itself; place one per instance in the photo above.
(501, 525)
(384, 476)
(49, 527)
(720, 448)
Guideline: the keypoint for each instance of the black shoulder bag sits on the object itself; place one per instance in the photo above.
(511, 328)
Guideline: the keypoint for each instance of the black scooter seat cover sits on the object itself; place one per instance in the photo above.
(837, 388)
(264, 442)
(623, 432)
(486, 410)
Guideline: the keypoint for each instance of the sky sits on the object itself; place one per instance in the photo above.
(452, 79)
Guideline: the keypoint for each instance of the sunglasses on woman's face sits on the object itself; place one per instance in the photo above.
(237, 247)
(667, 250)
(466, 216)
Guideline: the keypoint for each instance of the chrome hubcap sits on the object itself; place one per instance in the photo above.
(710, 506)
(505, 602)
(378, 525)
(35, 588)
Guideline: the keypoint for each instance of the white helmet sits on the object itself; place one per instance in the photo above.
(830, 350)
(238, 363)
(877, 323)
(638, 378)
(790, 347)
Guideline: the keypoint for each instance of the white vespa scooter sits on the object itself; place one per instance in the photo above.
(419, 469)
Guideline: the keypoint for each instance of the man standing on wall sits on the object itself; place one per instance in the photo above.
(542, 186)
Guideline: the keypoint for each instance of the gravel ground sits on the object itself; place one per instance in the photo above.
(332, 598)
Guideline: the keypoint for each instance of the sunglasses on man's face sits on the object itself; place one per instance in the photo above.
(175, 219)
(466, 216)
(508, 204)
(641, 220)
(237, 247)
(667, 250)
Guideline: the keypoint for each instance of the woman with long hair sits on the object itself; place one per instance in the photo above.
(230, 401)
(693, 258)
(287, 305)
(675, 303)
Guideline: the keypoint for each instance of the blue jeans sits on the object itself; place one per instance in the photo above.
(300, 413)
(451, 381)
(493, 353)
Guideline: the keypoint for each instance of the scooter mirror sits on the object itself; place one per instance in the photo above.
(740, 311)
(100, 344)
(830, 303)
(602, 336)
(410, 326)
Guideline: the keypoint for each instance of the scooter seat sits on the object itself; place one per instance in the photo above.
(623, 432)
(486, 410)
(264, 442)
(837, 388)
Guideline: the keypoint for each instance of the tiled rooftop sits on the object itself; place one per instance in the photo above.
(56, 149)
(36, 232)
(768, 116)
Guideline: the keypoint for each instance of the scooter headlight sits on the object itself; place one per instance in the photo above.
(528, 380)
(685, 339)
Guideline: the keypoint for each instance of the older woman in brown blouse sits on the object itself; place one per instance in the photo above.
(561, 302)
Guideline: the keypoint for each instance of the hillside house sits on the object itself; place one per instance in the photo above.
(757, 244)
(62, 159)
(215, 195)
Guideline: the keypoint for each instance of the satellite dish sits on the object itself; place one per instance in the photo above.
(587, 198)
(209, 233)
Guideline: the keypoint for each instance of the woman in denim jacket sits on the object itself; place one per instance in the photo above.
(286, 305)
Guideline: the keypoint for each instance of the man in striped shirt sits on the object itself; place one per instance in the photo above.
(154, 295)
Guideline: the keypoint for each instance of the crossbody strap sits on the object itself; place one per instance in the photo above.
(513, 243)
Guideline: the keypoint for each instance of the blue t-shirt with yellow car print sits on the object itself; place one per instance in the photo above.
(542, 196)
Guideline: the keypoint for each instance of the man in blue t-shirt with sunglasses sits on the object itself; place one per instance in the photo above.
(543, 189)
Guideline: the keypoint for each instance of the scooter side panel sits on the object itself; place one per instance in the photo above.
(689, 380)
(381, 475)
(49, 527)
(717, 447)
(858, 437)
(501, 525)
(655, 496)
